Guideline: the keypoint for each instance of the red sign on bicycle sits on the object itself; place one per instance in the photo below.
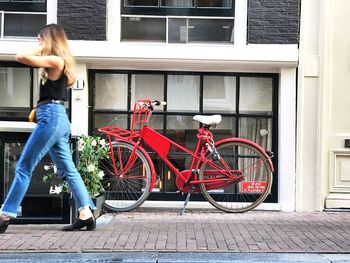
(253, 187)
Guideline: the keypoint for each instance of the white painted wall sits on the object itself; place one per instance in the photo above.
(308, 156)
(323, 163)
(286, 142)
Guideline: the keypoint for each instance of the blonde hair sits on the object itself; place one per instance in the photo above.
(54, 42)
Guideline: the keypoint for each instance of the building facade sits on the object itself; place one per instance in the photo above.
(237, 58)
(323, 96)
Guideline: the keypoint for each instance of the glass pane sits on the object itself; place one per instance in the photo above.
(170, 176)
(156, 123)
(143, 28)
(36, 85)
(258, 130)
(29, 1)
(111, 91)
(182, 129)
(147, 87)
(12, 153)
(255, 95)
(23, 25)
(177, 3)
(226, 128)
(183, 93)
(210, 30)
(214, 3)
(1, 14)
(140, 2)
(219, 94)
(177, 30)
(14, 87)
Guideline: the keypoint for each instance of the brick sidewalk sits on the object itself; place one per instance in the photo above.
(196, 231)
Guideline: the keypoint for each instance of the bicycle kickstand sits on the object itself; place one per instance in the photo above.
(186, 200)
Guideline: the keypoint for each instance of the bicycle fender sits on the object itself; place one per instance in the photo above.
(251, 143)
(150, 162)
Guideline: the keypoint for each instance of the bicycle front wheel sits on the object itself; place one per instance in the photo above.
(127, 179)
(250, 167)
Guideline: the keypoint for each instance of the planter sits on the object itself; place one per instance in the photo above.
(98, 202)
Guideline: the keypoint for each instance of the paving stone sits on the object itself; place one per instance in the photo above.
(201, 231)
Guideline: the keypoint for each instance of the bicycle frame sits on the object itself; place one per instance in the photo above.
(161, 145)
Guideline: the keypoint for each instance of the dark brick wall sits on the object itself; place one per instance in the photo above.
(273, 21)
(83, 19)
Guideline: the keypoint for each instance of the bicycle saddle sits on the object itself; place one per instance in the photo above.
(211, 120)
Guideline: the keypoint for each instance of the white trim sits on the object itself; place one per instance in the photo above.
(286, 141)
(183, 17)
(2, 24)
(25, 13)
(51, 7)
(16, 126)
(240, 23)
(113, 22)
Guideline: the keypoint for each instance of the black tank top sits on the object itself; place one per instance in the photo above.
(54, 89)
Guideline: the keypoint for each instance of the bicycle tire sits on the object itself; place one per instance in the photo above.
(238, 197)
(128, 191)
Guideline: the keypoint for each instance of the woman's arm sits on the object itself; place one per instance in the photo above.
(35, 59)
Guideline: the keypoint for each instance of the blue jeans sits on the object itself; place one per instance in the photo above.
(50, 136)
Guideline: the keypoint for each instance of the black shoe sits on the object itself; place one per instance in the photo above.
(89, 223)
(3, 225)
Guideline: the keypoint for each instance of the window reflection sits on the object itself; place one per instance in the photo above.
(143, 28)
(219, 94)
(14, 87)
(255, 95)
(37, 186)
(147, 87)
(140, 2)
(23, 25)
(183, 93)
(111, 91)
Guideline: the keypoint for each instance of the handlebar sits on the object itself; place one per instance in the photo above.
(158, 103)
(150, 104)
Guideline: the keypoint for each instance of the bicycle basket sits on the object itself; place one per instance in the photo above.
(140, 114)
(119, 133)
(139, 117)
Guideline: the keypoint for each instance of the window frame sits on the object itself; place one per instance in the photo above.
(3, 21)
(181, 11)
(19, 112)
(25, 6)
(170, 196)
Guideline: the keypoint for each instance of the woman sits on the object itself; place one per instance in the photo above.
(52, 132)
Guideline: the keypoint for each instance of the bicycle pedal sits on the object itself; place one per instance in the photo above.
(179, 192)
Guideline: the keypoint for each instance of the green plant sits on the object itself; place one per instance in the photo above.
(90, 150)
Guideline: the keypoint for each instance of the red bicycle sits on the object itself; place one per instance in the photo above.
(233, 174)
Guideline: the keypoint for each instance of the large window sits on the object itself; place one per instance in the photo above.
(178, 21)
(38, 205)
(18, 91)
(225, 4)
(247, 103)
(21, 18)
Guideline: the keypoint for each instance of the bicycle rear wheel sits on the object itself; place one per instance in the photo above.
(235, 197)
(128, 187)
